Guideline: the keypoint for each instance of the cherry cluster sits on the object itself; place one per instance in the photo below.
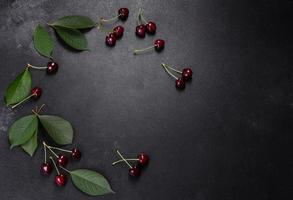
(144, 26)
(60, 162)
(142, 160)
(118, 31)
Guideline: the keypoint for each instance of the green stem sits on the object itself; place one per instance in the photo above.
(123, 159)
(109, 20)
(55, 165)
(48, 147)
(118, 161)
(169, 72)
(137, 51)
(25, 99)
(175, 70)
(45, 151)
(65, 169)
(59, 149)
(34, 67)
(100, 27)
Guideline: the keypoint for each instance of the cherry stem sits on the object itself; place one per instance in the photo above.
(34, 67)
(137, 51)
(168, 66)
(169, 72)
(38, 111)
(130, 159)
(142, 17)
(59, 149)
(25, 99)
(124, 159)
(65, 169)
(45, 151)
(48, 147)
(55, 165)
(100, 27)
(109, 20)
(139, 21)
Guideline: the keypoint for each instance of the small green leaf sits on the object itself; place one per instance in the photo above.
(72, 37)
(31, 145)
(43, 42)
(74, 22)
(19, 88)
(22, 130)
(59, 129)
(90, 182)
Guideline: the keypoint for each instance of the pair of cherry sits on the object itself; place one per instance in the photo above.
(36, 92)
(61, 161)
(142, 160)
(186, 75)
(118, 31)
(144, 26)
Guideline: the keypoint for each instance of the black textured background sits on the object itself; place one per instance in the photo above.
(226, 137)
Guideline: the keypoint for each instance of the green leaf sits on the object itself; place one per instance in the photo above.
(59, 129)
(19, 88)
(31, 145)
(74, 22)
(72, 37)
(22, 130)
(90, 182)
(43, 42)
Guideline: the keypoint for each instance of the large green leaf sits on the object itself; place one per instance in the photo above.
(90, 182)
(19, 88)
(59, 129)
(72, 37)
(22, 130)
(74, 22)
(31, 145)
(43, 42)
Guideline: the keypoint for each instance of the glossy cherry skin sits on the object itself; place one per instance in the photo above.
(118, 30)
(134, 171)
(180, 83)
(187, 74)
(52, 67)
(123, 13)
(62, 160)
(60, 179)
(75, 154)
(36, 92)
(140, 31)
(151, 27)
(111, 40)
(46, 169)
(159, 45)
(143, 159)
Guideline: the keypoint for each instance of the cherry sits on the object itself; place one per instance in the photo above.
(180, 83)
(159, 45)
(46, 168)
(134, 171)
(75, 154)
(52, 67)
(151, 27)
(123, 14)
(60, 179)
(143, 159)
(62, 160)
(140, 31)
(111, 40)
(187, 74)
(118, 30)
(36, 92)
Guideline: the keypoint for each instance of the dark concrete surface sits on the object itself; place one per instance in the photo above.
(226, 137)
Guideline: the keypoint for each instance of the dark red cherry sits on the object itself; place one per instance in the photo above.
(118, 30)
(75, 154)
(60, 179)
(46, 169)
(143, 159)
(134, 171)
(187, 74)
(151, 27)
(140, 31)
(62, 160)
(159, 45)
(52, 67)
(111, 40)
(123, 13)
(36, 92)
(180, 83)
